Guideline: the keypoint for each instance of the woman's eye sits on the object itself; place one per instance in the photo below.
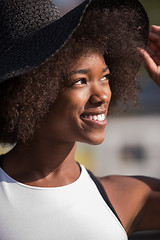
(80, 81)
(105, 78)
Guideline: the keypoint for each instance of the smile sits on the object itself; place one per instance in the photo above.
(99, 119)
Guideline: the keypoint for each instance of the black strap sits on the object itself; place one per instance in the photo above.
(1, 161)
(103, 193)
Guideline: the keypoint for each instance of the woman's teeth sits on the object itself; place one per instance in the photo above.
(99, 117)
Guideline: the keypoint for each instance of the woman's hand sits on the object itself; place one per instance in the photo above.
(152, 57)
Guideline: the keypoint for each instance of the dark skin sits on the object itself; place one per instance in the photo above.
(79, 114)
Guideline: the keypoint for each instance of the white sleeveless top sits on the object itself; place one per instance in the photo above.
(73, 212)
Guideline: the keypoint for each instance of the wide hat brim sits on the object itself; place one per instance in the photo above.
(43, 44)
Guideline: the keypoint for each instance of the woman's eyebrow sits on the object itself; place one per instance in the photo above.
(81, 71)
(85, 71)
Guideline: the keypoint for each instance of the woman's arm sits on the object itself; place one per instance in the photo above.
(148, 217)
(152, 57)
(136, 201)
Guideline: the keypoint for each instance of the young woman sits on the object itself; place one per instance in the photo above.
(58, 75)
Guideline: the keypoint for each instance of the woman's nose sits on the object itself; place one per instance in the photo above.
(100, 95)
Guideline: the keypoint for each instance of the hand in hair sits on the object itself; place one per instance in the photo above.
(152, 57)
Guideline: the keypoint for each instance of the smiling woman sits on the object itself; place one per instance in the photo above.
(58, 76)
(86, 95)
(25, 100)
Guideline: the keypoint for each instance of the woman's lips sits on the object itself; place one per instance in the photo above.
(99, 119)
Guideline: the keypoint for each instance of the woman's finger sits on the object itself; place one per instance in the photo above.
(152, 65)
(155, 28)
(153, 47)
(156, 59)
(155, 38)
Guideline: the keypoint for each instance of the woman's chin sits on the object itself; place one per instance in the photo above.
(95, 140)
(98, 142)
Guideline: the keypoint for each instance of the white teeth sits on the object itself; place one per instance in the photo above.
(103, 117)
(99, 117)
(94, 117)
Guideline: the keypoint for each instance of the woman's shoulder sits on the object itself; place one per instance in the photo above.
(127, 195)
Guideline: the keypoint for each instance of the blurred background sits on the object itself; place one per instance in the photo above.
(132, 144)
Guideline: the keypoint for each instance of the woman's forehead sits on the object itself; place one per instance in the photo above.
(87, 61)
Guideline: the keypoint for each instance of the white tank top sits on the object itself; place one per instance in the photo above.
(73, 212)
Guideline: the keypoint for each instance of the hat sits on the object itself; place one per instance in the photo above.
(31, 31)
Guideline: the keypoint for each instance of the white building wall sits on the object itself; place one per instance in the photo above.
(131, 147)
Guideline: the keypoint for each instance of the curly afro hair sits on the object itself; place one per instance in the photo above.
(26, 100)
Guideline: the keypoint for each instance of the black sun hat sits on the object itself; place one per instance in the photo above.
(31, 31)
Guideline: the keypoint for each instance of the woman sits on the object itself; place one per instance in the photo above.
(57, 78)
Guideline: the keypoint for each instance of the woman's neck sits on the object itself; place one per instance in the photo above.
(41, 164)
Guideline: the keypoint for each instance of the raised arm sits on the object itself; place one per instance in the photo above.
(152, 57)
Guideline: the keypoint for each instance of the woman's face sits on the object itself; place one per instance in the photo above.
(80, 110)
